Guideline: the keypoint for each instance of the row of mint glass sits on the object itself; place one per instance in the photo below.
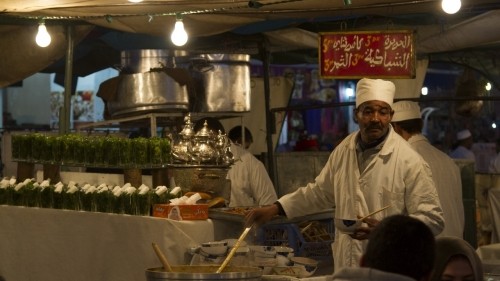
(106, 199)
(95, 151)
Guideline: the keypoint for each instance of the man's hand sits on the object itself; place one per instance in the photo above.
(261, 215)
(363, 232)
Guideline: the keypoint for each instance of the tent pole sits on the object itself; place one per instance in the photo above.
(65, 115)
(269, 115)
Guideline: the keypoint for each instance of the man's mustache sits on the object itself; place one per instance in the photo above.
(374, 127)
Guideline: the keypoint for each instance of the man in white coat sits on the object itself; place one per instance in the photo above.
(371, 168)
(250, 182)
(408, 123)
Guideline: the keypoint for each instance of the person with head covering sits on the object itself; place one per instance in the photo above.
(456, 260)
(401, 248)
(463, 150)
(408, 123)
(371, 168)
(250, 182)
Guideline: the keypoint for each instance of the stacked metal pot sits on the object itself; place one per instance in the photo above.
(157, 80)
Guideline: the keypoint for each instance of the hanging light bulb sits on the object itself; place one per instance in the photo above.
(451, 6)
(179, 36)
(42, 37)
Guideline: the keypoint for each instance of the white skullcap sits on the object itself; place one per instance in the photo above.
(374, 89)
(405, 110)
(463, 134)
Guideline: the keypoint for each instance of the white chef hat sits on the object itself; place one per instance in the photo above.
(463, 134)
(405, 110)
(374, 89)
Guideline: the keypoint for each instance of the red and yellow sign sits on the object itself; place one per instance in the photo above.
(375, 54)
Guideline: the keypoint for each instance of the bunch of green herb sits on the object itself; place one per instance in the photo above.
(126, 152)
(58, 196)
(112, 150)
(79, 150)
(104, 199)
(129, 196)
(6, 191)
(71, 198)
(26, 150)
(31, 193)
(119, 207)
(46, 194)
(141, 153)
(16, 141)
(144, 200)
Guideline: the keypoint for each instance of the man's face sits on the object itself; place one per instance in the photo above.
(373, 118)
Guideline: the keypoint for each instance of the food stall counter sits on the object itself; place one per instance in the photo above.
(51, 244)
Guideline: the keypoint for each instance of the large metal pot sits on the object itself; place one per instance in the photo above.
(204, 272)
(143, 60)
(153, 91)
(222, 82)
(203, 179)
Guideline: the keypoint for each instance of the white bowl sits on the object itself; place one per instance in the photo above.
(231, 242)
(284, 251)
(263, 251)
(308, 265)
(215, 248)
(347, 226)
(294, 271)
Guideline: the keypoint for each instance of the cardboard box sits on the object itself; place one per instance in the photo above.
(181, 212)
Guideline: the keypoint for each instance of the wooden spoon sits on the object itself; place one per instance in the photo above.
(163, 259)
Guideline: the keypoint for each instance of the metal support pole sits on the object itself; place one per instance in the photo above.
(65, 114)
(269, 115)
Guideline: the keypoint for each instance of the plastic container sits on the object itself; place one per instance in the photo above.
(289, 234)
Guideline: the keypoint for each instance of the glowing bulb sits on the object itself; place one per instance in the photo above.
(494, 125)
(424, 91)
(135, 1)
(42, 37)
(179, 36)
(451, 6)
(488, 86)
(349, 92)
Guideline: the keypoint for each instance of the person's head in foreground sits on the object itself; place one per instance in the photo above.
(373, 112)
(456, 260)
(403, 245)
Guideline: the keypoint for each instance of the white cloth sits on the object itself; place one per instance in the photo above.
(365, 274)
(462, 152)
(397, 175)
(250, 182)
(59, 245)
(446, 175)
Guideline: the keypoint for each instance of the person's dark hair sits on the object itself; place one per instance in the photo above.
(235, 135)
(412, 126)
(213, 124)
(401, 244)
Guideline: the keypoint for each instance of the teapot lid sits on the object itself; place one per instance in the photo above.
(187, 130)
(205, 131)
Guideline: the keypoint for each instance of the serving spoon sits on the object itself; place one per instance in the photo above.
(162, 258)
(233, 250)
